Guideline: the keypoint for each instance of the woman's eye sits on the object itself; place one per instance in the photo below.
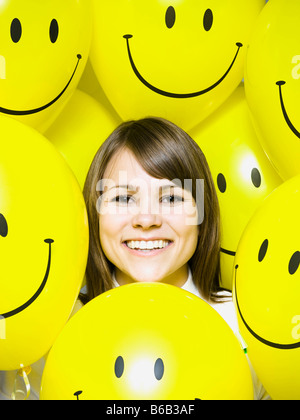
(123, 199)
(172, 199)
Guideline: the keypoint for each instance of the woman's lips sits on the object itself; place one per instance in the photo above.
(147, 247)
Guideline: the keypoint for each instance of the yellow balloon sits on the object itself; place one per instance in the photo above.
(90, 85)
(79, 131)
(43, 244)
(273, 85)
(147, 341)
(178, 59)
(242, 173)
(267, 289)
(44, 48)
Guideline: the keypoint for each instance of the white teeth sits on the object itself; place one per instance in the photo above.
(147, 245)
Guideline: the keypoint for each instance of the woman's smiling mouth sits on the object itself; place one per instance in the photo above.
(146, 247)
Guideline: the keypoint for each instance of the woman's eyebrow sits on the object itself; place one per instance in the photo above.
(126, 187)
(169, 187)
(135, 188)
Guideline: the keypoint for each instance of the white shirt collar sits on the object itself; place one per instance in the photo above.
(189, 285)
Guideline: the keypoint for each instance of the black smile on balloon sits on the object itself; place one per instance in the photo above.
(78, 393)
(42, 108)
(281, 83)
(37, 293)
(177, 95)
(254, 334)
(227, 252)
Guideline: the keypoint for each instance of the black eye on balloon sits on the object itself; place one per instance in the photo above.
(159, 369)
(221, 182)
(256, 177)
(294, 263)
(170, 17)
(54, 30)
(208, 19)
(263, 250)
(16, 30)
(119, 367)
(3, 226)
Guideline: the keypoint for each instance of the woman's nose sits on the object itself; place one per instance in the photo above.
(3, 226)
(146, 220)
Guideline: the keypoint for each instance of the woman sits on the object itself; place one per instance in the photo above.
(159, 155)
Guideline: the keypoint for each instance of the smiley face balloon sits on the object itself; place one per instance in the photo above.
(147, 341)
(177, 59)
(242, 173)
(43, 244)
(43, 50)
(267, 290)
(273, 85)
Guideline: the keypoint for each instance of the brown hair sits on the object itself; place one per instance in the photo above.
(164, 151)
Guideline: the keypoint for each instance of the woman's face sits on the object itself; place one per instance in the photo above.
(147, 226)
